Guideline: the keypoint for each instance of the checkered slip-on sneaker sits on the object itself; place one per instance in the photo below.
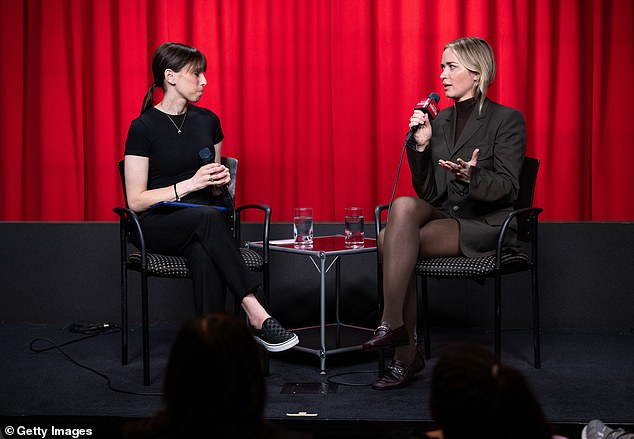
(598, 430)
(274, 337)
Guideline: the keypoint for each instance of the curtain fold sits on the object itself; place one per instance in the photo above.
(313, 97)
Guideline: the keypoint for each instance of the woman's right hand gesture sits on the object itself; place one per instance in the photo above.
(422, 135)
(212, 174)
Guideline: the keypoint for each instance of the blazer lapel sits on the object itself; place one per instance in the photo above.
(448, 126)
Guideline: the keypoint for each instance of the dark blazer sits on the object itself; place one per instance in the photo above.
(480, 207)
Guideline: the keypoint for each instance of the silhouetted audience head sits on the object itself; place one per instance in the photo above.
(214, 384)
(473, 395)
(214, 377)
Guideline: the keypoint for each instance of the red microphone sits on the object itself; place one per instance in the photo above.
(429, 105)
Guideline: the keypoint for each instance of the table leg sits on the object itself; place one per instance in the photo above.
(322, 317)
(337, 291)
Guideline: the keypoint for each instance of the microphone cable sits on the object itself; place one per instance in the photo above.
(332, 379)
(398, 173)
(429, 106)
(89, 331)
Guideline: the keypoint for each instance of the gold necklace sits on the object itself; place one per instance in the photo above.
(174, 123)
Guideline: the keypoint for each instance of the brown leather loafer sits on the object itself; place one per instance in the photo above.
(397, 375)
(384, 337)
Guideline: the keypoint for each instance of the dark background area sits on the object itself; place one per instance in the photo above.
(63, 272)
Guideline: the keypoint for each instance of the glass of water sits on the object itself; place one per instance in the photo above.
(354, 223)
(303, 227)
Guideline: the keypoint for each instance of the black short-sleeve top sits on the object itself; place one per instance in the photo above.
(173, 155)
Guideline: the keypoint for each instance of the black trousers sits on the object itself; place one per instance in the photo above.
(202, 235)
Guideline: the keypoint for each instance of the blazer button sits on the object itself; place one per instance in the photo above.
(456, 208)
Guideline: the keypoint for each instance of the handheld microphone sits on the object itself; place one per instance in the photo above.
(205, 155)
(428, 105)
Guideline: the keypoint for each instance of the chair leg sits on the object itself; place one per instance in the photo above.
(265, 290)
(379, 283)
(146, 329)
(124, 291)
(498, 315)
(266, 283)
(421, 289)
(124, 316)
(536, 324)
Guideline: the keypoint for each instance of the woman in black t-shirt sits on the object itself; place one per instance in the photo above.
(162, 163)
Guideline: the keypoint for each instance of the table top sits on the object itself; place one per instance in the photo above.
(329, 245)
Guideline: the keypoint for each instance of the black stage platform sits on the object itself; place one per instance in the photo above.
(55, 274)
(584, 375)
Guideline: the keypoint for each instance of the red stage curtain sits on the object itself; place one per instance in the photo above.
(314, 96)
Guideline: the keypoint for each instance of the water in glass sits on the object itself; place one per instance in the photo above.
(354, 225)
(303, 228)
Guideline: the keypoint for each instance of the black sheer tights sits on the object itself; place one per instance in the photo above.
(414, 229)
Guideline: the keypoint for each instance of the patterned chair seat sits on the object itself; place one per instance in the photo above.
(176, 266)
(461, 266)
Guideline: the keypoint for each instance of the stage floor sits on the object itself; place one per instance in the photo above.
(583, 376)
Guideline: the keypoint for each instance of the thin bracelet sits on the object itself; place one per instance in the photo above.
(176, 193)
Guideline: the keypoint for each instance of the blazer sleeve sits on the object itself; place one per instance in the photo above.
(423, 180)
(495, 179)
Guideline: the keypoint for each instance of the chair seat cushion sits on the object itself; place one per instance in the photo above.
(176, 266)
(160, 265)
(252, 258)
(462, 266)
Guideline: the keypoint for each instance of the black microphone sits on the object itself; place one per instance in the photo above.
(206, 157)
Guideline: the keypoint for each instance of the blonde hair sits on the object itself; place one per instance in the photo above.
(477, 56)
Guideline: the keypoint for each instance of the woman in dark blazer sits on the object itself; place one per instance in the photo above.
(465, 169)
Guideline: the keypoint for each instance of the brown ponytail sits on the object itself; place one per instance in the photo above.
(172, 56)
(148, 101)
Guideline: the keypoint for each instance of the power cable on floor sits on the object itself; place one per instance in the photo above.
(90, 330)
(331, 379)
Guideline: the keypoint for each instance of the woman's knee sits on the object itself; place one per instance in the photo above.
(413, 210)
(196, 255)
(404, 208)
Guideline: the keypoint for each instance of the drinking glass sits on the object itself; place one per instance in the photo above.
(303, 227)
(354, 223)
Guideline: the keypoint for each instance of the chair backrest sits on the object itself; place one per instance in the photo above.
(232, 164)
(528, 178)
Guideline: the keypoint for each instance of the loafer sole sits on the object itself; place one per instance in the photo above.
(278, 347)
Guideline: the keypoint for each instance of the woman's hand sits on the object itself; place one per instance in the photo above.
(212, 174)
(461, 169)
(422, 135)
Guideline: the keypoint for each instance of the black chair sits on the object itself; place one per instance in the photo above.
(480, 268)
(134, 256)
